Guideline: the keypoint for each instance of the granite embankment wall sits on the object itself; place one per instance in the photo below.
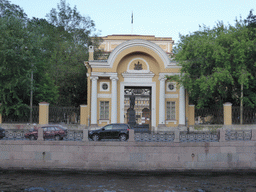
(132, 156)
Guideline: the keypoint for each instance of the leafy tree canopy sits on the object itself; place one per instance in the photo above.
(71, 37)
(216, 62)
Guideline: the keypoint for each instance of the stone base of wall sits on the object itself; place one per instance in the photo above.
(132, 156)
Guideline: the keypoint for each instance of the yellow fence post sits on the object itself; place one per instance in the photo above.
(43, 113)
(191, 115)
(83, 115)
(227, 110)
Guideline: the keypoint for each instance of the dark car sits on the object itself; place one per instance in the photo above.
(111, 131)
(56, 132)
(2, 133)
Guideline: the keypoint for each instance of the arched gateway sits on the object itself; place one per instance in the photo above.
(131, 87)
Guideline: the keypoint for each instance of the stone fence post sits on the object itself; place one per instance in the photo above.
(222, 135)
(227, 112)
(43, 113)
(40, 134)
(131, 135)
(177, 136)
(85, 135)
(253, 135)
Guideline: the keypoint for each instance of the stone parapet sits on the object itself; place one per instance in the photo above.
(132, 156)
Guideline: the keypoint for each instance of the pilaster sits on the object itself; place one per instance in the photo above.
(114, 99)
(94, 114)
(182, 115)
(162, 80)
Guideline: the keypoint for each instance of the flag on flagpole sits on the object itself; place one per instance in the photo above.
(132, 18)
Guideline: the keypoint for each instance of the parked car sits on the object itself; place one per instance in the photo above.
(56, 132)
(111, 131)
(2, 133)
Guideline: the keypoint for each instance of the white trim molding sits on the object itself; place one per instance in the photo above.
(103, 121)
(103, 74)
(104, 95)
(170, 96)
(153, 98)
(171, 121)
(142, 43)
(138, 77)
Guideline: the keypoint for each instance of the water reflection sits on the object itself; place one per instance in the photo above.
(112, 182)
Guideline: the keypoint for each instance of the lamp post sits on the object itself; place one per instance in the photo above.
(31, 91)
(31, 96)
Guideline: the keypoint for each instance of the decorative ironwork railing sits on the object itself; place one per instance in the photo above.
(199, 137)
(14, 134)
(238, 135)
(249, 115)
(74, 135)
(209, 116)
(68, 115)
(146, 137)
(77, 135)
(24, 118)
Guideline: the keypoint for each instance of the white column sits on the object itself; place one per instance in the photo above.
(182, 115)
(94, 101)
(162, 101)
(114, 99)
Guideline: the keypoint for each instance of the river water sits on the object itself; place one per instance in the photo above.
(49, 181)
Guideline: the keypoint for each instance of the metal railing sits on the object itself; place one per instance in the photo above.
(238, 135)
(206, 136)
(209, 116)
(24, 118)
(249, 115)
(154, 137)
(67, 115)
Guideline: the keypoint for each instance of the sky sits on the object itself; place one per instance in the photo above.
(162, 18)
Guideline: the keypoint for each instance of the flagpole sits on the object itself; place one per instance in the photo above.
(132, 22)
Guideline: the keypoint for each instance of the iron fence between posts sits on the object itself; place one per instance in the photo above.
(206, 136)
(67, 115)
(209, 116)
(23, 118)
(249, 115)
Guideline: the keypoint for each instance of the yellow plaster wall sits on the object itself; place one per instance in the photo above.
(156, 65)
(227, 107)
(83, 115)
(43, 113)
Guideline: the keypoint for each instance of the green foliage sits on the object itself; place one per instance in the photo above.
(14, 60)
(71, 38)
(215, 62)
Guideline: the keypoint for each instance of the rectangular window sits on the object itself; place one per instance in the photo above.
(170, 110)
(104, 110)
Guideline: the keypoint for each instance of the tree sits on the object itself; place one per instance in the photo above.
(217, 63)
(72, 36)
(14, 59)
(21, 54)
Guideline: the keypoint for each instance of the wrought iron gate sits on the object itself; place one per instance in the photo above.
(137, 107)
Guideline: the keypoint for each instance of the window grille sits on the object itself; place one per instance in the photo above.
(104, 110)
(170, 111)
